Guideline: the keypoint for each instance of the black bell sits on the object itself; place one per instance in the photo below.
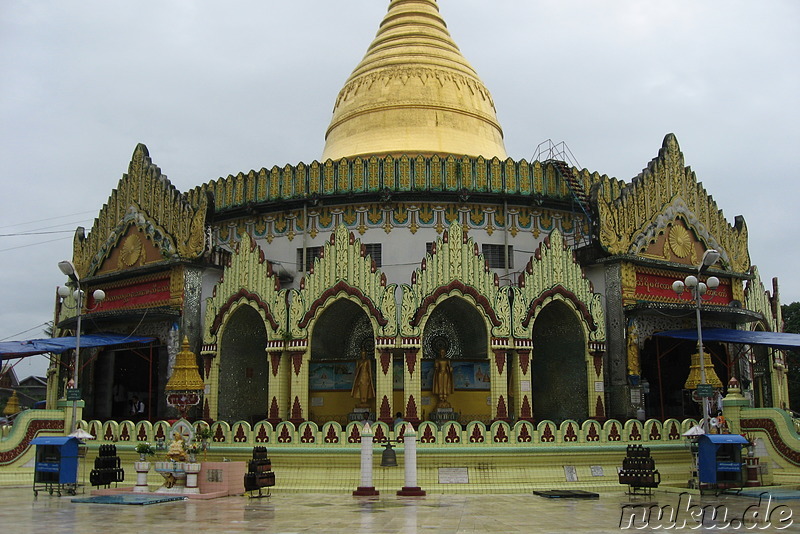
(388, 457)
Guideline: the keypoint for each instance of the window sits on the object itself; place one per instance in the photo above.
(495, 256)
(311, 254)
(374, 250)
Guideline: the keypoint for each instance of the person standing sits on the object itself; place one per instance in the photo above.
(137, 409)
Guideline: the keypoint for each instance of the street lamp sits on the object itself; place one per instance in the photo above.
(68, 269)
(697, 290)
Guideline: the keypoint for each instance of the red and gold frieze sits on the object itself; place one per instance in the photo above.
(651, 285)
(162, 289)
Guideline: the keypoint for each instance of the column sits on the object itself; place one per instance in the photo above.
(298, 403)
(412, 385)
(410, 489)
(499, 385)
(277, 406)
(384, 386)
(366, 487)
(523, 402)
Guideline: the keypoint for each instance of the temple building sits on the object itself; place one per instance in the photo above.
(413, 267)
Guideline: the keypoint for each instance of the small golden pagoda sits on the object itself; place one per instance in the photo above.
(185, 386)
(695, 375)
(12, 405)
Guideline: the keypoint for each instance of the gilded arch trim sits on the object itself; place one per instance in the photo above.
(331, 293)
(253, 298)
(455, 285)
(546, 297)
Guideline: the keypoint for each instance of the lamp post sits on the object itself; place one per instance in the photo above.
(697, 290)
(68, 269)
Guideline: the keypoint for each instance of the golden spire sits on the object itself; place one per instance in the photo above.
(413, 93)
(12, 405)
(185, 376)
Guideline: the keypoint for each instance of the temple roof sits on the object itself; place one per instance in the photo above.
(413, 93)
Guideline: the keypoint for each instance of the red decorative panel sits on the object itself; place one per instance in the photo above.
(547, 435)
(240, 436)
(614, 434)
(160, 433)
(525, 411)
(411, 360)
(524, 360)
(673, 432)
(262, 436)
(635, 435)
(142, 434)
(501, 436)
(285, 436)
(308, 435)
(109, 435)
(386, 410)
(219, 435)
(386, 361)
(502, 409)
(125, 434)
(570, 434)
(297, 410)
(331, 436)
(654, 433)
(427, 436)
(379, 436)
(599, 408)
(297, 362)
(355, 435)
(274, 414)
(592, 435)
(411, 408)
(477, 435)
(500, 360)
(598, 364)
(275, 359)
(452, 435)
(524, 435)
(34, 427)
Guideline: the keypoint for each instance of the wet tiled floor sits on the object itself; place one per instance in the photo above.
(21, 512)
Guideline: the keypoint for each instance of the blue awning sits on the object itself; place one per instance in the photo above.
(57, 345)
(724, 438)
(778, 340)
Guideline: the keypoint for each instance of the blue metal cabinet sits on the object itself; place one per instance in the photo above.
(719, 459)
(56, 464)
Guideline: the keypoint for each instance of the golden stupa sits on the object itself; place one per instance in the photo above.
(12, 405)
(185, 374)
(414, 93)
(695, 373)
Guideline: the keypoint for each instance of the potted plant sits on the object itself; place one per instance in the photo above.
(191, 450)
(144, 449)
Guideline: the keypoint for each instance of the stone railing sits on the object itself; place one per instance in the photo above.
(450, 434)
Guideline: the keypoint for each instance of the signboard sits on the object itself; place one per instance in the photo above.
(705, 390)
(453, 475)
(658, 288)
(73, 394)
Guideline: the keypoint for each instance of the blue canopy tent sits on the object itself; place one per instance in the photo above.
(58, 345)
(776, 340)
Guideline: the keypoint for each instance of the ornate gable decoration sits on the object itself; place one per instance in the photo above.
(757, 299)
(664, 192)
(552, 274)
(344, 266)
(143, 198)
(247, 280)
(454, 264)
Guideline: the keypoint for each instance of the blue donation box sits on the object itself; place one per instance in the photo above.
(56, 460)
(719, 459)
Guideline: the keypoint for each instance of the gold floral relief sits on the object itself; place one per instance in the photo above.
(680, 241)
(132, 252)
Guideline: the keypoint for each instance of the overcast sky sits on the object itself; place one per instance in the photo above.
(215, 88)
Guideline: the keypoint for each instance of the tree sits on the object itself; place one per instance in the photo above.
(791, 324)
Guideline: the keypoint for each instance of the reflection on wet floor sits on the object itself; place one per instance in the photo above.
(286, 513)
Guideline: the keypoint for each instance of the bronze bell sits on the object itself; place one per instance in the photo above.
(388, 457)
